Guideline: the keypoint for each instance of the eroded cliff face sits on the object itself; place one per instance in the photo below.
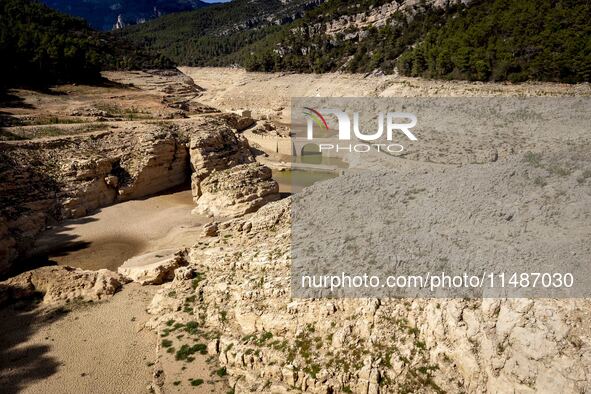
(45, 181)
(49, 180)
(216, 149)
(268, 342)
(354, 25)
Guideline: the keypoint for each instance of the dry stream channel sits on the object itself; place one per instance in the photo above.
(116, 233)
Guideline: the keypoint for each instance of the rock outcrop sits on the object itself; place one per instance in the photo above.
(239, 122)
(48, 180)
(59, 284)
(237, 191)
(45, 181)
(268, 341)
(216, 149)
(153, 268)
(355, 25)
(225, 179)
(178, 92)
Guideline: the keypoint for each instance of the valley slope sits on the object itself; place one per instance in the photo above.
(484, 40)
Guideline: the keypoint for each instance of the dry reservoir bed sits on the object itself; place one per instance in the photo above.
(82, 349)
(228, 317)
(114, 234)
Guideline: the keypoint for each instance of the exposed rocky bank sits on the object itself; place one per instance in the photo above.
(49, 180)
(223, 307)
(236, 289)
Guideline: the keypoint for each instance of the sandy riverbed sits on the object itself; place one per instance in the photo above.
(79, 349)
(113, 234)
(116, 233)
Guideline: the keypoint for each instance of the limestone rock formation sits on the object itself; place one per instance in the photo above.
(59, 284)
(184, 273)
(48, 180)
(239, 122)
(178, 92)
(270, 342)
(153, 268)
(237, 191)
(210, 229)
(216, 149)
(160, 164)
(354, 25)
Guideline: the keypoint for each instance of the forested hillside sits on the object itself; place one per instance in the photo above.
(514, 40)
(337, 36)
(486, 40)
(41, 46)
(206, 36)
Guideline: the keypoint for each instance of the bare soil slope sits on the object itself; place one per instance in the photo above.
(270, 93)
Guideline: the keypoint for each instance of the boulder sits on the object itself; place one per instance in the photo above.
(237, 191)
(210, 229)
(239, 121)
(153, 268)
(216, 149)
(184, 273)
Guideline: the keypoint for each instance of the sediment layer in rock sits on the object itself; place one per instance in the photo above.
(48, 180)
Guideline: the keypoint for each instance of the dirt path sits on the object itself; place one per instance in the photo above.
(81, 349)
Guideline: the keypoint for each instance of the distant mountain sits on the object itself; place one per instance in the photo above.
(106, 14)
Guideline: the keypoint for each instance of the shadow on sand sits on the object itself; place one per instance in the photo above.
(22, 363)
(53, 243)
